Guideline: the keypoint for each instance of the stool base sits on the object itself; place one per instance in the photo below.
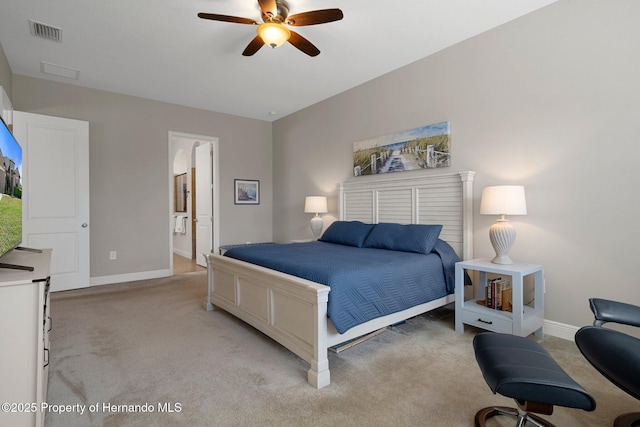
(521, 417)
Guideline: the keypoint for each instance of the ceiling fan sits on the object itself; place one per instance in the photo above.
(273, 30)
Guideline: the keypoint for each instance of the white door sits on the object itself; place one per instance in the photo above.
(204, 202)
(55, 171)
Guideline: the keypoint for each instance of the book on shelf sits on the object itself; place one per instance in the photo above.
(498, 295)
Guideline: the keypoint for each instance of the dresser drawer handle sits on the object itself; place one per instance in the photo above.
(485, 321)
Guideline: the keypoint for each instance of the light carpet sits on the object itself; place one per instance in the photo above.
(147, 354)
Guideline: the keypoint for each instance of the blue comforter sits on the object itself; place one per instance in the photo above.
(365, 283)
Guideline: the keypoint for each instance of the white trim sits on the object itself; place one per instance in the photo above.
(216, 195)
(182, 253)
(560, 330)
(129, 277)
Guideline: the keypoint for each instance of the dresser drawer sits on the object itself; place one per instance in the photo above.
(488, 319)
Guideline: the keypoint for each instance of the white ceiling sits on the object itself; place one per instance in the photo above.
(161, 50)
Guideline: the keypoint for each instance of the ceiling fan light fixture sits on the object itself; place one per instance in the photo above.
(273, 34)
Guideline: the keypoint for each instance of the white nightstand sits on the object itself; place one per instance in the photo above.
(523, 321)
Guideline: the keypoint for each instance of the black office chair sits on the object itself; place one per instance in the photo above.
(614, 354)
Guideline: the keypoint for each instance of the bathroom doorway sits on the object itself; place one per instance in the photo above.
(191, 233)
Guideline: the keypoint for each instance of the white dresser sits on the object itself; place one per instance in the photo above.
(25, 323)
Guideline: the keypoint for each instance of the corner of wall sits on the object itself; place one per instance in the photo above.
(6, 76)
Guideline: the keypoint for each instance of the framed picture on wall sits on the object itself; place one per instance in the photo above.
(246, 192)
(421, 148)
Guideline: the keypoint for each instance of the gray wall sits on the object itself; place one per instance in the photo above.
(5, 73)
(129, 169)
(550, 101)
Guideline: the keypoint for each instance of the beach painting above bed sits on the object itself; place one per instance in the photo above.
(426, 147)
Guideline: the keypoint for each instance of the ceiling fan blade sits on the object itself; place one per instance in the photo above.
(227, 18)
(253, 47)
(303, 44)
(269, 6)
(315, 17)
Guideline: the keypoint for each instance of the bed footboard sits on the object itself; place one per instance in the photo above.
(290, 310)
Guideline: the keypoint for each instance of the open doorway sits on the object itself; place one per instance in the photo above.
(193, 195)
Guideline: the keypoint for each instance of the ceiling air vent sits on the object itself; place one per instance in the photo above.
(45, 31)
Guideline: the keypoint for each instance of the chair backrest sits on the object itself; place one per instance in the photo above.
(614, 354)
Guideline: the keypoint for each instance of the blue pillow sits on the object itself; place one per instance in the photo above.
(350, 233)
(419, 238)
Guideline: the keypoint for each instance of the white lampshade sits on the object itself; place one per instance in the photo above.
(316, 204)
(503, 200)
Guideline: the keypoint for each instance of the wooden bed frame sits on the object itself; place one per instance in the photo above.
(293, 311)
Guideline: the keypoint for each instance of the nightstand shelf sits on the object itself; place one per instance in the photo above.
(531, 318)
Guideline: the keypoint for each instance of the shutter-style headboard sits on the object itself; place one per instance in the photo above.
(433, 199)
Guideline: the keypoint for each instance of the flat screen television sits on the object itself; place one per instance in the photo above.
(10, 191)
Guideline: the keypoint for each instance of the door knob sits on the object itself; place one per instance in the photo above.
(85, 225)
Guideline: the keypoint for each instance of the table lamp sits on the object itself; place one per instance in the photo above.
(503, 200)
(317, 205)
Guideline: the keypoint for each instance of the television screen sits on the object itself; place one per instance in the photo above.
(10, 190)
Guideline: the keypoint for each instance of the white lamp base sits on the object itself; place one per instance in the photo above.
(502, 236)
(316, 226)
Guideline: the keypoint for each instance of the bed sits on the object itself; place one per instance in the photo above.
(294, 310)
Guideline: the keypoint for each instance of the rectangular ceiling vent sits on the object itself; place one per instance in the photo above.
(45, 31)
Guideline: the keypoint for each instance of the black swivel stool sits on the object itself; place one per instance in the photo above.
(614, 354)
(521, 368)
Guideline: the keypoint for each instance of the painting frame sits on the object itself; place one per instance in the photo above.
(246, 192)
(426, 147)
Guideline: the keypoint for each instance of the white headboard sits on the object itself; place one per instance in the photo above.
(433, 199)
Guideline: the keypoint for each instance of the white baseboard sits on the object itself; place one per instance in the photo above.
(130, 277)
(560, 330)
(182, 253)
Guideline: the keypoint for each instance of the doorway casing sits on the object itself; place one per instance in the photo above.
(194, 141)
